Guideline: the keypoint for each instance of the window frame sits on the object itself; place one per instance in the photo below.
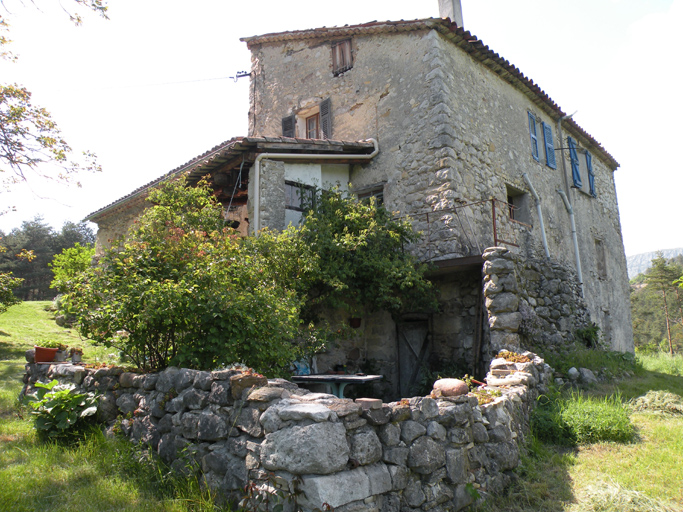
(342, 56)
(549, 144)
(301, 189)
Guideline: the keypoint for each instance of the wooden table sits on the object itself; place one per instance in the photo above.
(336, 382)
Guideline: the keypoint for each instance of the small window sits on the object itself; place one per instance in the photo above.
(376, 192)
(534, 137)
(314, 122)
(518, 205)
(342, 57)
(549, 146)
(600, 259)
(298, 196)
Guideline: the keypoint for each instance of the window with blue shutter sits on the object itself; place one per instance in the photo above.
(532, 134)
(591, 175)
(549, 146)
(576, 174)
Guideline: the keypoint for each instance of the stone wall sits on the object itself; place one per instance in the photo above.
(530, 302)
(420, 453)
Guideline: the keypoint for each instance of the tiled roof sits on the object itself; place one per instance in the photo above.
(461, 38)
(236, 150)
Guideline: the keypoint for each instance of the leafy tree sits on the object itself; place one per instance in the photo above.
(7, 286)
(361, 258)
(180, 291)
(656, 306)
(28, 135)
(69, 264)
(39, 240)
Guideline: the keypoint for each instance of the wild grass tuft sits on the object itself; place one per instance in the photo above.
(582, 419)
(661, 362)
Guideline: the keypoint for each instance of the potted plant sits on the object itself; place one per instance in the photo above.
(61, 354)
(76, 354)
(45, 351)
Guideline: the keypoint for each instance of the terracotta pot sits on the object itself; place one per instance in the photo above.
(44, 354)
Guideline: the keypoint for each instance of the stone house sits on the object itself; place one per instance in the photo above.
(440, 128)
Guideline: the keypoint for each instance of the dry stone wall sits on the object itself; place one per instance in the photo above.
(530, 301)
(420, 453)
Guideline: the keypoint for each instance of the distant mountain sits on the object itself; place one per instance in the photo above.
(641, 262)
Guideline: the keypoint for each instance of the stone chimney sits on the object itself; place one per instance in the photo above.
(451, 9)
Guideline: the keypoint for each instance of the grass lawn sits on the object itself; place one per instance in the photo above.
(98, 475)
(102, 474)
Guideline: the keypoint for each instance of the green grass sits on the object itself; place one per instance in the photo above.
(643, 475)
(102, 474)
(97, 475)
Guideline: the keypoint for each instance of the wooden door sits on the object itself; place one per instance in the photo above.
(414, 346)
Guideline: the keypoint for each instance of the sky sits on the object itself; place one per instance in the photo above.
(150, 88)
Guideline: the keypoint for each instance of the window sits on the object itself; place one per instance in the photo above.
(298, 196)
(518, 205)
(376, 191)
(549, 146)
(600, 259)
(310, 123)
(574, 157)
(313, 127)
(532, 134)
(342, 57)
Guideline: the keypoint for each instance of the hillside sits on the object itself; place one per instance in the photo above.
(641, 262)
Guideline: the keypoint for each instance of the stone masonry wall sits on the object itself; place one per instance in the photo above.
(530, 301)
(416, 454)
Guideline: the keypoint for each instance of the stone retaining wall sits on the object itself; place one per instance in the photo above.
(531, 302)
(421, 453)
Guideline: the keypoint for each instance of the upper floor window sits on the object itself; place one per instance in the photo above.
(534, 137)
(583, 176)
(342, 57)
(310, 123)
(376, 191)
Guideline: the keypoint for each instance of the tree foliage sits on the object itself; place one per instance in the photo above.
(656, 307)
(29, 137)
(184, 289)
(36, 243)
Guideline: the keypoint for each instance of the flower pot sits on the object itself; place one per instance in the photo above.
(76, 358)
(60, 356)
(44, 354)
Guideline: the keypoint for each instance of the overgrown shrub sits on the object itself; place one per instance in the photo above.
(183, 289)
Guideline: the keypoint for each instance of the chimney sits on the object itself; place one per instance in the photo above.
(451, 9)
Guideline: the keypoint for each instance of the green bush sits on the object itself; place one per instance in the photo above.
(61, 413)
(183, 289)
(581, 419)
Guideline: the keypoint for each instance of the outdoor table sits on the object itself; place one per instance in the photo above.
(336, 382)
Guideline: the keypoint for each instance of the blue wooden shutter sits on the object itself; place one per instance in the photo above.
(576, 173)
(326, 118)
(288, 126)
(591, 175)
(549, 146)
(532, 134)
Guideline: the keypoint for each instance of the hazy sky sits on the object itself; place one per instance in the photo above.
(148, 90)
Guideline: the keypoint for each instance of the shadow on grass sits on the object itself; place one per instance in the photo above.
(3, 333)
(10, 351)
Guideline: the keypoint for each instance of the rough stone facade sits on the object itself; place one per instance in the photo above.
(453, 132)
(420, 453)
